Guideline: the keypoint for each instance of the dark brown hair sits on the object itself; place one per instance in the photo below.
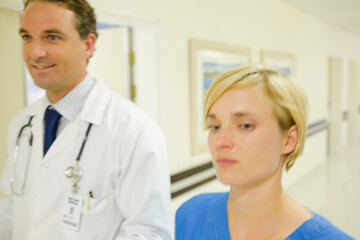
(85, 18)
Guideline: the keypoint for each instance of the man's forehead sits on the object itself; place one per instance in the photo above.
(46, 16)
(47, 10)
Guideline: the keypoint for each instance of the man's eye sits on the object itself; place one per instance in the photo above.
(53, 37)
(25, 37)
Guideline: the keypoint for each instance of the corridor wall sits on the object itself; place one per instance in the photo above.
(257, 25)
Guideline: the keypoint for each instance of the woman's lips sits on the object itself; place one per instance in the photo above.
(225, 162)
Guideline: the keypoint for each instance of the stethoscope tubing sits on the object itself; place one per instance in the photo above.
(75, 175)
(15, 161)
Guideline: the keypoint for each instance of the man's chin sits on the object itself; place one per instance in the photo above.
(43, 83)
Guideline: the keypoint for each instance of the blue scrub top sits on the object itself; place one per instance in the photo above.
(205, 217)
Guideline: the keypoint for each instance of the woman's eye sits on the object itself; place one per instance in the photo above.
(246, 126)
(214, 127)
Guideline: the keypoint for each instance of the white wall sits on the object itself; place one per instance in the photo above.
(353, 103)
(113, 73)
(273, 26)
(12, 85)
(336, 93)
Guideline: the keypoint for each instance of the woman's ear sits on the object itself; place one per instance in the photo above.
(290, 140)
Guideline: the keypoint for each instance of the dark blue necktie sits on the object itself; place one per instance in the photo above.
(52, 118)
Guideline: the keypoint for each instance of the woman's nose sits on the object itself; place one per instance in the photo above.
(225, 138)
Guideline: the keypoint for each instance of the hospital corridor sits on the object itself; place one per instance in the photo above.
(156, 61)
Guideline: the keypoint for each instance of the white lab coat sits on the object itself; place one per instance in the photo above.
(124, 165)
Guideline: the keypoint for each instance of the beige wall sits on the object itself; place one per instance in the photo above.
(12, 84)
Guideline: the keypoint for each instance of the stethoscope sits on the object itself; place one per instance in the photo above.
(73, 173)
(17, 146)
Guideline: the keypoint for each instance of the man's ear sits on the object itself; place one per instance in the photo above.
(290, 140)
(89, 42)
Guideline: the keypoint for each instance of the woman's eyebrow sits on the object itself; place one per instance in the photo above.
(242, 114)
(211, 116)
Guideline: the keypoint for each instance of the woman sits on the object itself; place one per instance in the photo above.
(257, 123)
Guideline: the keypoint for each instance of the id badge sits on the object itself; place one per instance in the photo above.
(72, 211)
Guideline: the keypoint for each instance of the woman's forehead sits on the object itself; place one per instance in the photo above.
(238, 102)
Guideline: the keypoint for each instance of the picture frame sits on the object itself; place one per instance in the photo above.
(281, 61)
(207, 61)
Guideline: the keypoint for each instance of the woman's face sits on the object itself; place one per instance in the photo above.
(245, 139)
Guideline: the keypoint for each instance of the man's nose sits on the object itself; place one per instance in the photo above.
(36, 50)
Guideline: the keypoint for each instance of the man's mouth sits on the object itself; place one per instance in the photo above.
(43, 66)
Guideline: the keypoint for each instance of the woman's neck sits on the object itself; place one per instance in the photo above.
(263, 211)
(250, 203)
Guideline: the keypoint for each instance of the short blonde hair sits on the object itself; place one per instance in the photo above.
(288, 99)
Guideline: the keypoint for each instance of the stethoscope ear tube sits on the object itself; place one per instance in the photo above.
(22, 129)
(20, 192)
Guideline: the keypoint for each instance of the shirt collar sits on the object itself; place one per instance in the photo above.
(71, 104)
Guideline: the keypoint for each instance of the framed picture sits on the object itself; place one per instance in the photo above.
(207, 61)
(283, 62)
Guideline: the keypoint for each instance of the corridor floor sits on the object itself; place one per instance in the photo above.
(333, 190)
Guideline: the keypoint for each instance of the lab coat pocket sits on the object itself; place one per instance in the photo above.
(99, 216)
(98, 219)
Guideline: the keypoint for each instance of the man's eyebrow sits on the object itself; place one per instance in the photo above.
(22, 30)
(54, 31)
(50, 31)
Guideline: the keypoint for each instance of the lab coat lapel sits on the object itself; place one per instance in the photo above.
(67, 137)
(92, 112)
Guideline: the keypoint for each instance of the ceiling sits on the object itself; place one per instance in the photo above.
(344, 14)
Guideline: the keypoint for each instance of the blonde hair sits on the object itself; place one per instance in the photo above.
(288, 99)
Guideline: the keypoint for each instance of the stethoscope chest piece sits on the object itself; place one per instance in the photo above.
(74, 173)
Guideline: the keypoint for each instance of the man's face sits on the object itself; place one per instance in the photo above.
(53, 50)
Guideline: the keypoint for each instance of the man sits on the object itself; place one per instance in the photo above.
(114, 157)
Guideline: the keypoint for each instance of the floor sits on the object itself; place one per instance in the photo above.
(332, 190)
